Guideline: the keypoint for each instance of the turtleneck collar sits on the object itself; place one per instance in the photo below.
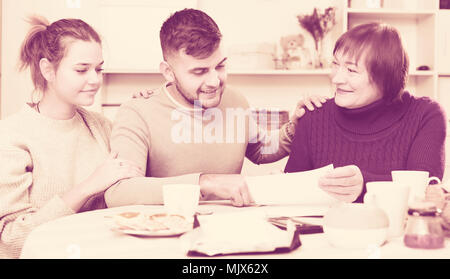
(373, 118)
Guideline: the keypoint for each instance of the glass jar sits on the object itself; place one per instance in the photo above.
(424, 229)
(445, 216)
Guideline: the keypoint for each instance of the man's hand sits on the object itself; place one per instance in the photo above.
(308, 101)
(143, 94)
(226, 186)
(343, 183)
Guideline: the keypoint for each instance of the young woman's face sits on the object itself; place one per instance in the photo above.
(201, 80)
(79, 74)
(354, 89)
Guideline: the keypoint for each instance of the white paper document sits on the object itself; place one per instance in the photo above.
(290, 188)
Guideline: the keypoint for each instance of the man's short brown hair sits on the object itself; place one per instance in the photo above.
(191, 30)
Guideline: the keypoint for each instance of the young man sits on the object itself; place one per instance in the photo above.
(192, 129)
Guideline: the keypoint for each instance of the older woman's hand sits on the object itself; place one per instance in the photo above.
(343, 183)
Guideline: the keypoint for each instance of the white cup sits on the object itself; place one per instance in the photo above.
(417, 181)
(393, 199)
(181, 199)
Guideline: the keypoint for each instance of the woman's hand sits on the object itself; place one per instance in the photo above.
(343, 183)
(109, 172)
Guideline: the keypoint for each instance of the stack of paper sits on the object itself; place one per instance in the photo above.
(240, 232)
(290, 188)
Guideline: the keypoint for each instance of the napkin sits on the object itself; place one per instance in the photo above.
(290, 188)
(242, 232)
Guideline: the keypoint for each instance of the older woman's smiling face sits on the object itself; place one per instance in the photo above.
(354, 88)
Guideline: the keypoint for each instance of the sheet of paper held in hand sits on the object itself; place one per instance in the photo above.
(290, 188)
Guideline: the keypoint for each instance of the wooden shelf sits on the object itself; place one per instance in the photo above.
(422, 73)
(281, 72)
(231, 72)
(261, 72)
(131, 71)
(111, 105)
(389, 13)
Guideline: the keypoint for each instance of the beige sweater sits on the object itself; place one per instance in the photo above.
(175, 144)
(40, 159)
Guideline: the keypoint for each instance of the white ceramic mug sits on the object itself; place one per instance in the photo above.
(393, 199)
(181, 199)
(416, 180)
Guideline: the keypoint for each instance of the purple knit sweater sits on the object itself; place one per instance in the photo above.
(406, 135)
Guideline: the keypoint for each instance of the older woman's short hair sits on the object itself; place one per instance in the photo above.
(386, 59)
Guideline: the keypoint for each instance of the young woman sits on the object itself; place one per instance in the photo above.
(372, 126)
(55, 157)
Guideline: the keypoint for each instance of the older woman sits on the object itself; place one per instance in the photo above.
(372, 126)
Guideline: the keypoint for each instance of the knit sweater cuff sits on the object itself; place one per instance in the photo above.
(285, 137)
(54, 208)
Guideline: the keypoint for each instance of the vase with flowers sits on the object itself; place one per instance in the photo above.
(318, 25)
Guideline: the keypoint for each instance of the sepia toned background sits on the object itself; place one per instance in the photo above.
(252, 32)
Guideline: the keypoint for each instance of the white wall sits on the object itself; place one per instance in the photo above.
(243, 23)
(252, 21)
(1, 4)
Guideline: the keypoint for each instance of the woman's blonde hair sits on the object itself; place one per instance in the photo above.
(50, 41)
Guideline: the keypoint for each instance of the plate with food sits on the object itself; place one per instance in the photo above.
(155, 224)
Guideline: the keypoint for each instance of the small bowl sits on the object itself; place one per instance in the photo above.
(355, 226)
